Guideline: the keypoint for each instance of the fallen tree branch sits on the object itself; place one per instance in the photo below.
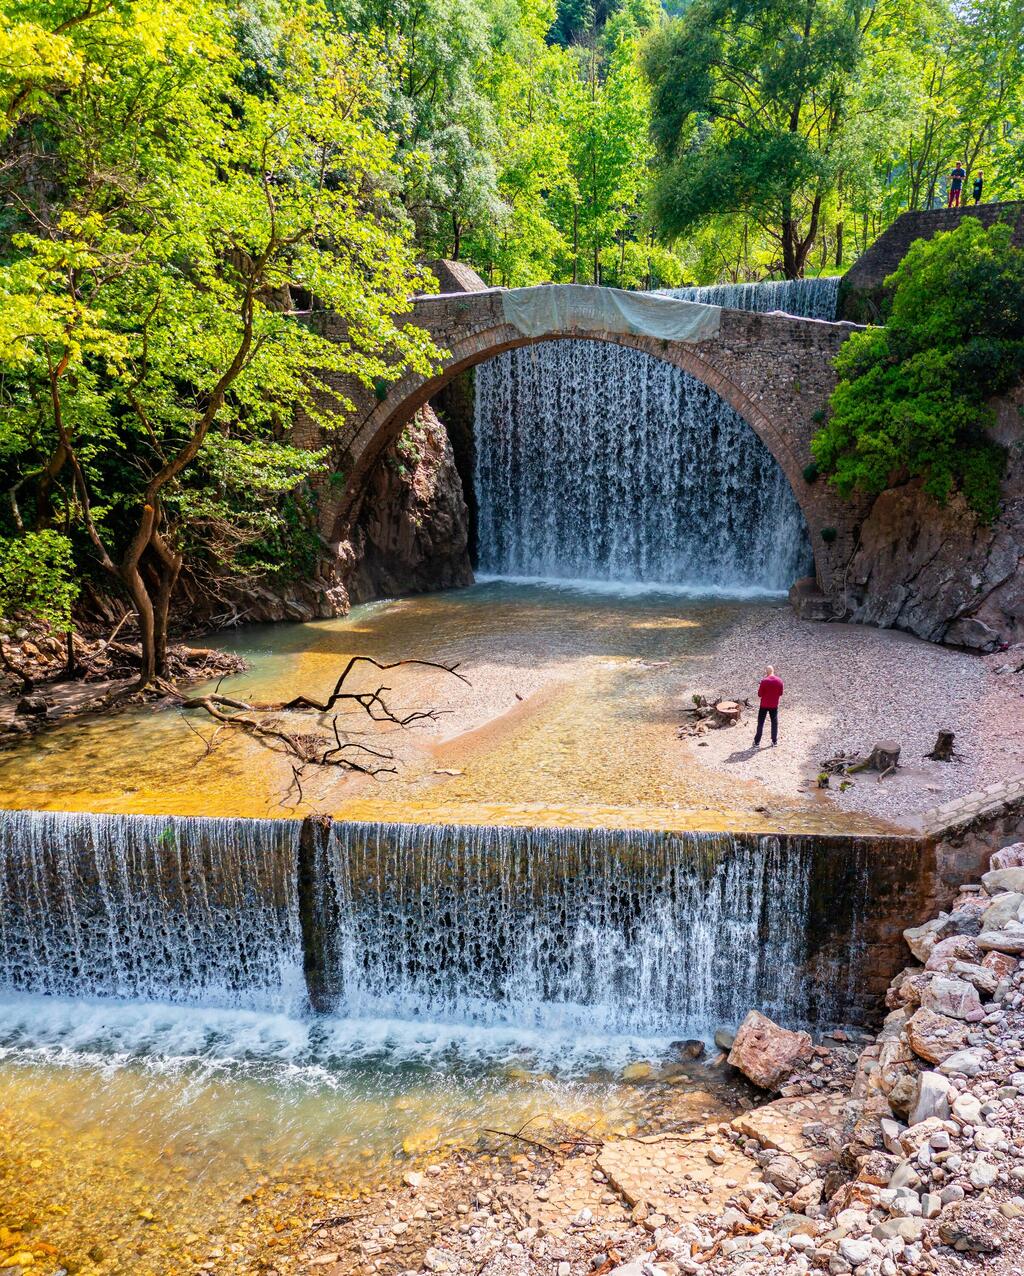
(313, 749)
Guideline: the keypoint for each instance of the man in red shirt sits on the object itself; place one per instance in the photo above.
(769, 693)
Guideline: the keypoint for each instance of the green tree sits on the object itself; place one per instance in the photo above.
(751, 105)
(160, 303)
(913, 399)
(37, 578)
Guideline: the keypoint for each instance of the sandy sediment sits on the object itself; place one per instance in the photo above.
(847, 687)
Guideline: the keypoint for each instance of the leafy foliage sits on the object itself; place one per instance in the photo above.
(790, 134)
(37, 578)
(913, 396)
(162, 291)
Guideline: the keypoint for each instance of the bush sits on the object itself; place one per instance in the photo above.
(37, 578)
(913, 397)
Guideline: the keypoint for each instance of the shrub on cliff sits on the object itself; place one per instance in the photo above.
(913, 397)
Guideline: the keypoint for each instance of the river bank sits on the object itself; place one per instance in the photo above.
(904, 1156)
(570, 716)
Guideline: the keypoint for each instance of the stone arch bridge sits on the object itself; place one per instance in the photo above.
(776, 371)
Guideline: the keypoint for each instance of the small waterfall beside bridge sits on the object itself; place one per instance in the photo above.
(573, 930)
(599, 462)
(805, 298)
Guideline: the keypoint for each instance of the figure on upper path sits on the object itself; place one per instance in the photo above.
(769, 693)
(979, 182)
(956, 185)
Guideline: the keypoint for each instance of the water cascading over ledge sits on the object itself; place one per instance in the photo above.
(163, 908)
(589, 930)
(805, 298)
(598, 462)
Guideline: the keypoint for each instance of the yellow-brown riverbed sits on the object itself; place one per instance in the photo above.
(152, 1139)
(155, 1140)
(569, 716)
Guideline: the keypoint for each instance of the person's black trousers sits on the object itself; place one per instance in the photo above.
(761, 715)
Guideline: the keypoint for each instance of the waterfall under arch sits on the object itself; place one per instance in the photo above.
(600, 462)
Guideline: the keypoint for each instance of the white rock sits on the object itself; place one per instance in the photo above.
(855, 1252)
(932, 1098)
(970, 1062)
(983, 1173)
(967, 1108)
(891, 1131)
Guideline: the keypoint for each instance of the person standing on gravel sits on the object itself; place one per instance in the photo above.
(769, 693)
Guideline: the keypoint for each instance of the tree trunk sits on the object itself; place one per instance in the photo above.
(943, 750)
(839, 245)
(789, 266)
(169, 572)
(143, 604)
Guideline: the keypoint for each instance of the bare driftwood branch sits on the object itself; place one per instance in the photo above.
(309, 749)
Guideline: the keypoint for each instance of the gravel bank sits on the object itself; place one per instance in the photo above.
(847, 687)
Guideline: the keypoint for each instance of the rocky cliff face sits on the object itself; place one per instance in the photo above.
(412, 534)
(939, 572)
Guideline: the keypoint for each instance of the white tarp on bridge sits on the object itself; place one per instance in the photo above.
(555, 308)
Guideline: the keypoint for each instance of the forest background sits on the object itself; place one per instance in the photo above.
(185, 187)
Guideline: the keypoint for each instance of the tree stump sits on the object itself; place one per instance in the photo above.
(943, 750)
(884, 757)
(727, 713)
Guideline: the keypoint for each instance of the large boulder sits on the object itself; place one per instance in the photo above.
(935, 1036)
(1003, 879)
(766, 1053)
(954, 997)
(1006, 907)
(1009, 940)
(941, 572)
(1008, 857)
(412, 533)
(932, 1098)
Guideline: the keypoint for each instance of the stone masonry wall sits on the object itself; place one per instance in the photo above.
(861, 292)
(776, 371)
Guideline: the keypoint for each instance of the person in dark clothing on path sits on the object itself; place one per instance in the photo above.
(769, 693)
(956, 185)
(979, 182)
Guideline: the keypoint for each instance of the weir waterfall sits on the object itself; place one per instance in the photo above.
(569, 929)
(598, 462)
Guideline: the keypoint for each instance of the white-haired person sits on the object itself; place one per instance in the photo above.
(769, 693)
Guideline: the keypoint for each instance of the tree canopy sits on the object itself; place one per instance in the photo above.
(174, 234)
(188, 189)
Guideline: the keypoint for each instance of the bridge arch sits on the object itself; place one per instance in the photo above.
(774, 370)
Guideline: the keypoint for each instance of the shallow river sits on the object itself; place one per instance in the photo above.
(147, 1138)
(570, 718)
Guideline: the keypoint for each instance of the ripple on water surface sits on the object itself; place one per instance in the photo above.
(151, 1138)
